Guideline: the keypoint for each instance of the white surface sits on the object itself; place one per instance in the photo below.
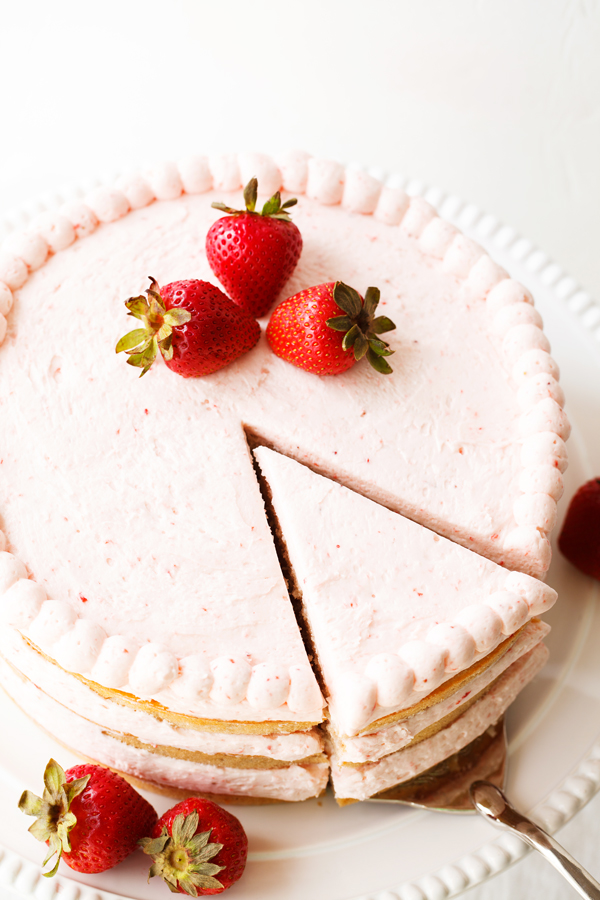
(498, 102)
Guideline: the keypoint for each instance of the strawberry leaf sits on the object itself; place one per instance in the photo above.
(137, 306)
(75, 788)
(224, 208)
(378, 363)
(131, 340)
(272, 206)
(153, 846)
(372, 296)
(347, 299)
(166, 347)
(54, 778)
(250, 194)
(382, 324)
(380, 347)
(350, 337)
(175, 317)
(361, 345)
(30, 804)
(41, 829)
(340, 323)
(144, 359)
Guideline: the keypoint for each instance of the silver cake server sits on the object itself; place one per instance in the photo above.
(471, 781)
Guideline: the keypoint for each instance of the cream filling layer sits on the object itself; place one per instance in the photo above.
(292, 783)
(73, 694)
(373, 746)
(362, 782)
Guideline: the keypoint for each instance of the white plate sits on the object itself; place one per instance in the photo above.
(368, 851)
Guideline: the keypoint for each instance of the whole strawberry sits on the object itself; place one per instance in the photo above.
(308, 331)
(194, 841)
(253, 254)
(89, 816)
(579, 539)
(197, 329)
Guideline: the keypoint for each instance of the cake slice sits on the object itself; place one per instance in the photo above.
(411, 631)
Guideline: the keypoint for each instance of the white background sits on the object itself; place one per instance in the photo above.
(497, 101)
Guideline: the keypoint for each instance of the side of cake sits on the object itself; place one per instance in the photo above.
(141, 586)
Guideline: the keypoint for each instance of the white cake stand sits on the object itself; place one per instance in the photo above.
(370, 852)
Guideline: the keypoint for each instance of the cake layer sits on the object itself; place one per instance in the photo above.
(377, 744)
(362, 782)
(294, 782)
(394, 610)
(149, 727)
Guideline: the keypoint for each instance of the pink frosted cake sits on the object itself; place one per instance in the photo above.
(146, 618)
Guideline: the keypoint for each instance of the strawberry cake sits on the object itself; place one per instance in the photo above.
(154, 617)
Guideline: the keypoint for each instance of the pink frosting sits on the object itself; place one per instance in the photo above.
(457, 643)
(325, 181)
(21, 603)
(293, 165)
(56, 230)
(83, 219)
(264, 169)
(114, 661)
(225, 172)
(31, 248)
(361, 192)
(195, 175)
(392, 205)
(165, 181)
(195, 678)
(136, 190)
(6, 299)
(11, 569)
(13, 271)
(107, 204)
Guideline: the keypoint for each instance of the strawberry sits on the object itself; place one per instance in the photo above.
(197, 329)
(308, 330)
(89, 816)
(253, 254)
(579, 539)
(194, 841)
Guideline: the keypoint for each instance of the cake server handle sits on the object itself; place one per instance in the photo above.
(491, 803)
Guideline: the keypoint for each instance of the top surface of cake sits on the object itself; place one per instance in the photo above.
(149, 528)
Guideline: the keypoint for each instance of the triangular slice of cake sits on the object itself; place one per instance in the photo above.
(409, 628)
